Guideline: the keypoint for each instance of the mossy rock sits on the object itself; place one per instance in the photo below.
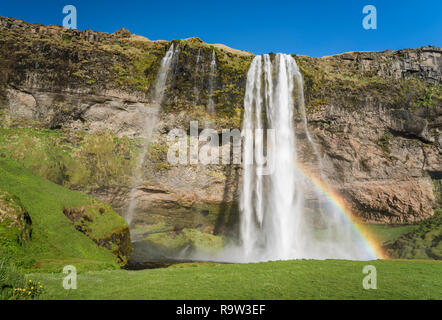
(172, 245)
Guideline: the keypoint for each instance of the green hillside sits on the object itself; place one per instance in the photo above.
(43, 225)
(424, 241)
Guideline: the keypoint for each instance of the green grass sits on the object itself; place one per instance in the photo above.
(10, 278)
(384, 233)
(302, 279)
(55, 242)
(422, 242)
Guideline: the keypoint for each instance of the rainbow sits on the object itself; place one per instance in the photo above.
(371, 245)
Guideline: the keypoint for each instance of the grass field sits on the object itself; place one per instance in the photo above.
(54, 242)
(302, 279)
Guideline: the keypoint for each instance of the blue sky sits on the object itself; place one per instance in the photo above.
(314, 28)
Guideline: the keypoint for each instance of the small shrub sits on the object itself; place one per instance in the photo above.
(384, 143)
(364, 164)
(30, 290)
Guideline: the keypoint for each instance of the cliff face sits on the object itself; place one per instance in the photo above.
(376, 117)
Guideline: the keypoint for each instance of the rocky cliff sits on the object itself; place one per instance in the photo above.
(376, 117)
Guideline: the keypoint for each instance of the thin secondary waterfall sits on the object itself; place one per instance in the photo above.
(165, 67)
(198, 57)
(276, 221)
(151, 119)
(199, 79)
(212, 76)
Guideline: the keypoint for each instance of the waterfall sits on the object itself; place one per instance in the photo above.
(198, 57)
(163, 72)
(198, 83)
(150, 121)
(276, 222)
(212, 76)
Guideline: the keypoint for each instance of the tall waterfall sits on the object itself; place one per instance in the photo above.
(278, 220)
(198, 57)
(151, 119)
(212, 77)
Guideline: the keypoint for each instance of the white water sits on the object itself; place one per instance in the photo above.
(163, 73)
(283, 215)
(276, 221)
(199, 69)
(212, 76)
(151, 119)
(198, 57)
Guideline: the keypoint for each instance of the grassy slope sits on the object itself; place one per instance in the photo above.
(416, 241)
(302, 279)
(384, 233)
(424, 241)
(54, 239)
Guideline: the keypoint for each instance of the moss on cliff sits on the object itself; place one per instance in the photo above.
(73, 159)
(172, 243)
(54, 57)
(334, 80)
(189, 87)
(208, 217)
